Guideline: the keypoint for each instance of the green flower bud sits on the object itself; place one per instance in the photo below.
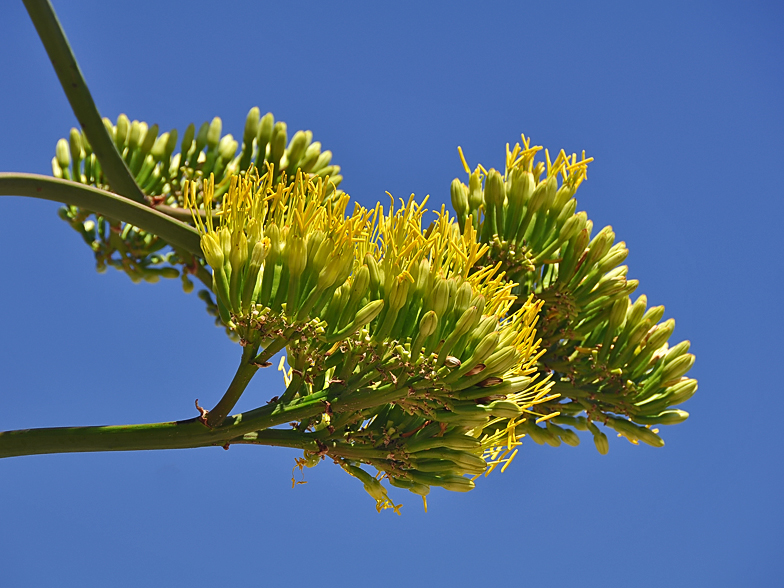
(149, 140)
(459, 198)
(264, 136)
(75, 145)
(428, 324)
(187, 139)
(475, 196)
(278, 144)
(299, 142)
(121, 132)
(62, 154)
(135, 135)
(201, 137)
(214, 133)
(158, 150)
(572, 226)
(227, 147)
(251, 128)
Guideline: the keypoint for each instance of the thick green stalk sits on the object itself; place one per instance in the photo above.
(185, 434)
(71, 79)
(176, 233)
(242, 378)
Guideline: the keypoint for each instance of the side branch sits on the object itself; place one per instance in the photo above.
(71, 79)
(106, 203)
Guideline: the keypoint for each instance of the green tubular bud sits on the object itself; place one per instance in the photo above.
(681, 392)
(264, 136)
(475, 191)
(463, 297)
(149, 139)
(121, 132)
(521, 186)
(495, 193)
(439, 297)
(367, 313)
(458, 442)
(250, 132)
(201, 139)
(636, 311)
(171, 144)
(214, 133)
(485, 347)
(224, 238)
(364, 315)
(227, 147)
(423, 278)
(452, 483)
(504, 409)
(612, 259)
(571, 255)
(566, 213)
(474, 364)
(359, 289)
(428, 323)
(508, 386)
(63, 154)
(296, 255)
(600, 440)
(667, 417)
(461, 458)
(134, 136)
(436, 466)
(634, 432)
(459, 195)
(322, 161)
(278, 144)
(187, 140)
(398, 294)
(239, 252)
(376, 279)
(550, 189)
(77, 153)
(676, 351)
(299, 142)
(533, 432)
(678, 367)
(658, 335)
(310, 157)
(256, 260)
(158, 150)
(653, 315)
(572, 226)
(501, 360)
(600, 245)
(567, 435)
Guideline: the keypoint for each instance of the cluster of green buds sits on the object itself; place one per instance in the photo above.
(432, 375)
(609, 358)
(160, 172)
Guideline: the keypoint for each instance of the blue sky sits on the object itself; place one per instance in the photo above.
(679, 103)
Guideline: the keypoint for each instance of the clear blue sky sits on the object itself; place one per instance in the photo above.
(680, 104)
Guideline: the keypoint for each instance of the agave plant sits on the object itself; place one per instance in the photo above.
(425, 346)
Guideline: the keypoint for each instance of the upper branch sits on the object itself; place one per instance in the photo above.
(60, 54)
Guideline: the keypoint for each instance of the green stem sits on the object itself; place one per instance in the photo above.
(182, 434)
(242, 378)
(102, 202)
(71, 79)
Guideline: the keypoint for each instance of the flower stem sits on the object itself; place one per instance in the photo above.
(106, 203)
(71, 79)
(242, 378)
